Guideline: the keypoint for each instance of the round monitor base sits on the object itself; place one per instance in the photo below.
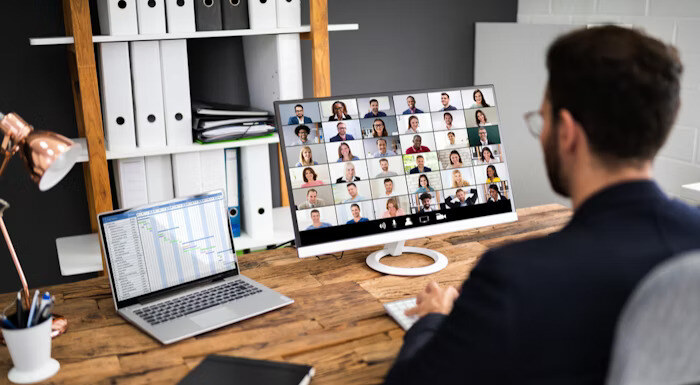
(440, 262)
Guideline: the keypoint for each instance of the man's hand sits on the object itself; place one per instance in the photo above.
(434, 299)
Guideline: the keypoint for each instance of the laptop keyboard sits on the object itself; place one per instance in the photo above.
(182, 306)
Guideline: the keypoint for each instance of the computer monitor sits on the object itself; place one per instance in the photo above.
(381, 168)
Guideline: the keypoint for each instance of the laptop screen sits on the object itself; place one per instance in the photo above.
(163, 245)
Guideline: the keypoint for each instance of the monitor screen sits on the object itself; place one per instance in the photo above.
(371, 169)
(159, 246)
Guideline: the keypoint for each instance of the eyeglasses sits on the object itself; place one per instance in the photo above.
(534, 122)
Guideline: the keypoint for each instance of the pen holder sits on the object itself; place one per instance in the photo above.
(30, 349)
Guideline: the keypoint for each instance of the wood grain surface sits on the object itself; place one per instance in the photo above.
(337, 323)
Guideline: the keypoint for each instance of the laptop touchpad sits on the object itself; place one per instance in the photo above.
(214, 317)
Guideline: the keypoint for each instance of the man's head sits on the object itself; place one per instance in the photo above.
(388, 186)
(461, 195)
(417, 140)
(311, 196)
(384, 164)
(425, 200)
(483, 135)
(341, 129)
(355, 208)
(447, 117)
(302, 132)
(352, 190)
(411, 101)
(315, 216)
(374, 106)
(451, 137)
(493, 192)
(420, 161)
(299, 110)
(381, 144)
(611, 100)
(445, 99)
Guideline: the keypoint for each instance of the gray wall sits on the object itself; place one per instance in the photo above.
(396, 43)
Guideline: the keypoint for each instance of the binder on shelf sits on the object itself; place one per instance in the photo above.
(151, 16)
(232, 197)
(207, 15)
(115, 91)
(148, 94)
(212, 166)
(256, 192)
(130, 178)
(288, 13)
(117, 17)
(234, 14)
(187, 178)
(176, 92)
(159, 178)
(179, 15)
(262, 14)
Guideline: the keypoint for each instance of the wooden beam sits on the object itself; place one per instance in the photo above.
(284, 193)
(86, 97)
(321, 60)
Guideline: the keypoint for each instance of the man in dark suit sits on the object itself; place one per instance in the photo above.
(298, 117)
(543, 311)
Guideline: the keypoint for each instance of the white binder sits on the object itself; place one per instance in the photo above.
(117, 17)
(213, 170)
(176, 92)
(115, 90)
(148, 94)
(288, 13)
(151, 16)
(179, 15)
(187, 177)
(256, 191)
(159, 178)
(130, 178)
(263, 14)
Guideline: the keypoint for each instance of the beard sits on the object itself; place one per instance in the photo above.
(553, 165)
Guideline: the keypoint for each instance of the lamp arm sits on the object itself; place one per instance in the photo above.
(25, 288)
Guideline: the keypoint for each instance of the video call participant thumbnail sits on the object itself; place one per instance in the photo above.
(461, 200)
(445, 100)
(302, 133)
(349, 174)
(310, 178)
(342, 135)
(356, 217)
(479, 100)
(306, 157)
(374, 110)
(316, 221)
(383, 151)
(312, 200)
(417, 147)
(388, 187)
(393, 209)
(495, 195)
(412, 109)
(447, 119)
(340, 112)
(299, 117)
(379, 128)
(345, 153)
(425, 206)
(384, 165)
(354, 194)
(420, 166)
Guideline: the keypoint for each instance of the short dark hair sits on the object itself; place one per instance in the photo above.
(302, 127)
(311, 190)
(350, 184)
(445, 93)
(373, 100)
(493, 186)
(298, 105)
(425, 196)
(355, 205)
(458, 190)
(621, 85)
(315, 211)
(445, 114)
(388, 180)
(419, 156)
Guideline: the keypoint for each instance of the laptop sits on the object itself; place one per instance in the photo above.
(173, 268)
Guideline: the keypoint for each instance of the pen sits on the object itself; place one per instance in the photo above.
(33, 309)
(45, 307)
(6, 323)
(20, 309)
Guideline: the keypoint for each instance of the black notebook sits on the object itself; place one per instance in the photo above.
(215, 370)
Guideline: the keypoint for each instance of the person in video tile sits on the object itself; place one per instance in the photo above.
(345, 154)
(420, 166)
(457, 180)
(316, 221)
(487, 156)
(299, 117)
(349, 174)
(425, 203)
(356, 217)
(445, 100)
(302, 133)
(495, 195)
(374, 109)
(479, 100)
(480, 118)
(451, 141)
(417, 147)
(388, 187)
(447, 118)
(381, 145)
(384, 165)
(312, 200)
(379, 128)
(412, 125)
(483, 137)
(310, 177)
(340, 112)
(455, 160)
(354, 194)
(425, 187)
(306, 157)
(411, 102)
(491, 174)
(342, 135)
(393, 209)
(461, 199)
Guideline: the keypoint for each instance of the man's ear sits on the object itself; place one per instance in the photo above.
(569, 131)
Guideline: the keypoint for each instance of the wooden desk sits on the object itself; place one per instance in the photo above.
(337, 323)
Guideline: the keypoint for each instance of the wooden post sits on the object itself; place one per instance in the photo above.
(86, 97)
(321, 59)
(283, 180)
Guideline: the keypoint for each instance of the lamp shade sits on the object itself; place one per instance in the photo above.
(49, 157)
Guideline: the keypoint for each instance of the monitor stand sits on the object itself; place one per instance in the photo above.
(397, 248)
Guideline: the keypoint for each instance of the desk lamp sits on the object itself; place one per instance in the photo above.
(48, 157)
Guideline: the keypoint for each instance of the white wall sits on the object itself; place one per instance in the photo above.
(673, 21)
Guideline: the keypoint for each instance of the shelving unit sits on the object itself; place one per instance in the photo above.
(267, 67)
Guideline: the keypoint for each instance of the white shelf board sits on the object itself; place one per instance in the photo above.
(121, 154)
(81, 254)
(63, 40)
(691, 191)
